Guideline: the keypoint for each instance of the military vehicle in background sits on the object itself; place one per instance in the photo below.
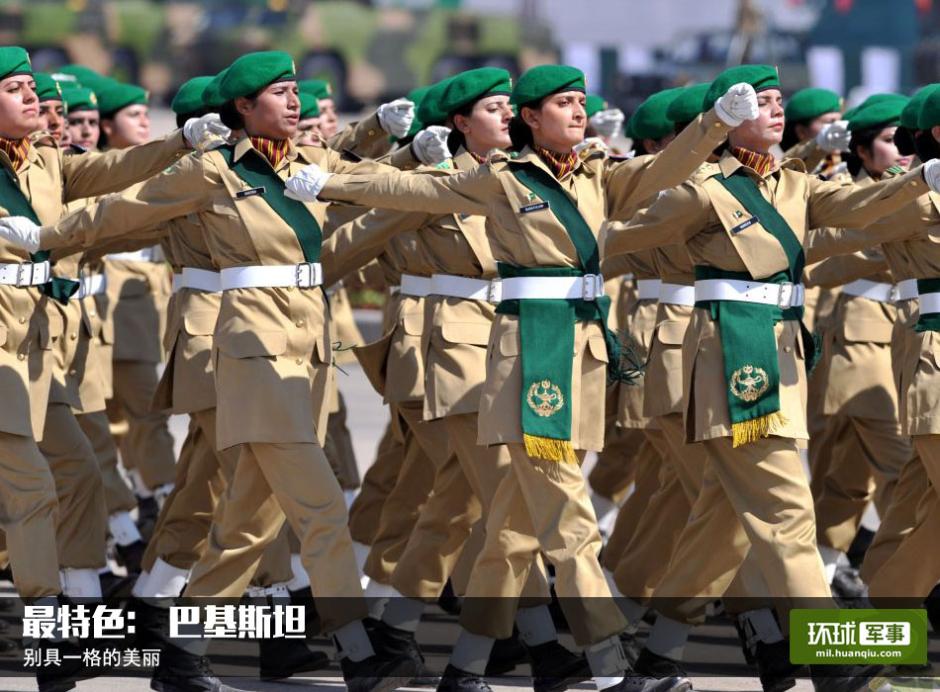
(370, 52)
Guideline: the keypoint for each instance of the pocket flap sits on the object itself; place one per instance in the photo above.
(200, 322)
(413, 322)
(598, 348)
(671, 332)
(870, 331)
(252, 344)
(466, 333)
(509, 343)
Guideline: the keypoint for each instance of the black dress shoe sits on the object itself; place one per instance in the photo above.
(377, 673)
(312, 624)
(848, 678)
(847, 584)
(456, 680)
(391, 641)
(554, 667)
(116, 587)
(641, 683)
(506, 655)
(932, 604)
(64, 676)
(773, 666)
(131, 555)
(653, 665)
(283, 658)
(181, 671)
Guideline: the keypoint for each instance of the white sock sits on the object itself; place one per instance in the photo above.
(301, 579)
(633, 611)
(606, 660)
(123, 528)
(353, 641)
(870, 519)
(471, 652)
(668, 638)
(830, 558)
(605, 682)
(764, 625)
(536, 625)
(165, 580)
(379, 590)
(80, 583)
(349, 496)
(403, 613)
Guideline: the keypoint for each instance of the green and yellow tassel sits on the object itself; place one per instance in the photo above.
(550, 449)
(753, 430)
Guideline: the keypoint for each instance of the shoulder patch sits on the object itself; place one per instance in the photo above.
(895, 170)
(445, 165)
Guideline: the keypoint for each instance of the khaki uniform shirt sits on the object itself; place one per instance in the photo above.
(700, 214)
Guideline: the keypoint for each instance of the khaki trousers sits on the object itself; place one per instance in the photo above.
(541, 506)
(914, 568)
(646, 482)
(182, 528)
(378, 482)
(118, 496)
(463, 492)
(423, 441)
(864, 450)
(29, 515)
(755, 497)
(900, 518)
(148, 445)
(645, 559)
(617, 464)
(82, 528)
(339, 449)
(273, 480)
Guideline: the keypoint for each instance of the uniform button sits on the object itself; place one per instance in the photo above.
(22, 320)
(21, 356)
(73, 336)
(299, 323)
(299, 361)
(92, 313)
(371, 133)
(787, 349)
(73, 372)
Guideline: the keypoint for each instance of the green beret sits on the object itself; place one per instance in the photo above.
(760, 77)
(650, 119)
(13, 61)
(252, 72)
(883, 112)
(188, 97)
(687, 106)
(872, 100)
(211, 98)
(809, 104)
(318, 88)
(85, 76)
(594, 104)
(309, 106)
(429, 111)
(47, 89)
(930, 110)
(79, 99)
(545, 80)
(114, 95)
(911, 111)
(416, 96)
(472, 85)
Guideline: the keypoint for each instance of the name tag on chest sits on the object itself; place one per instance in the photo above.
(744, 225)
(250, 192)
(529, 208)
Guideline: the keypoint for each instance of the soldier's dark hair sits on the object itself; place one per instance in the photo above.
(181, 118)
(904, 141)
(230, 116)
(927, 147)
(455, 139)
(861, 139)
(789, 133)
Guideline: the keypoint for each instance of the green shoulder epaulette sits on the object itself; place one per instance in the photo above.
(445, 165)
(895, 170)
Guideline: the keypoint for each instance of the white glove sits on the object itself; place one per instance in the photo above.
(430, 145)
(932, 174)
(20, 231)
(590, 142)
(206, 132)
(305, 185)
(738, 104)
(608, 123)
(396, 117)
(834, 137)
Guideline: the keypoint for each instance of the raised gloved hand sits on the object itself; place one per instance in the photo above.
(835, 136)
(430, 145)
(206, 132)
(305, 185)
(20, 231)
(607, 123)
(396, 117)
(590, 142)
(737, 104)
(932, 174)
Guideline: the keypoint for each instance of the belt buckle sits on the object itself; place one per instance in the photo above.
(894, 295)
(589, 284)
(494, 291)
(21, 281)
(299, 275)
(785, 293)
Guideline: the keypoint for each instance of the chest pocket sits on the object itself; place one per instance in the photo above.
(671, 332)
(252, 344)
(868, 331)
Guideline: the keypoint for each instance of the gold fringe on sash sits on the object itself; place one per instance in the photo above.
(550, 449)
(753, 430)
